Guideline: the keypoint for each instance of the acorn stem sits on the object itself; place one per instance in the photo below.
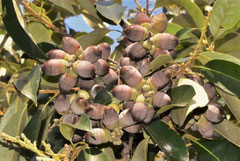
(112, 61)
(43, 91)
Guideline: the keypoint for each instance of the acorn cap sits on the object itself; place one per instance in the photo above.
(56, 54)
(159, 79)
(67, 81)
(161, 99)
(124, 92)
(111, 78)
(97, 136)
(159, 22)
(210, 89)
(95, 89)
(78, 105)
(70, 118)
(105, 49)
(102, 67)
(165, 41)
(92, 54)
(136, 33)
(54, 67)
(70, 45)
(130, 75)
(85, 69)
(95, 111)
(205, 127)
(139, 111)
(85, 84)
(141, 17)
(62, 103)
(214, 114)
(110, 117)
(135, 51)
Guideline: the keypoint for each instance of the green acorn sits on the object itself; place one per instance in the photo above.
(54, 67)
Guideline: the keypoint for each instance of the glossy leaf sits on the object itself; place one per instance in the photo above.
(228, 130)
(28, 83)
(40, 32)
(103, 97)
(67, 131)
(141, 151)
(173, 28)
(92, 154)
(159, 61)
(225, 15)
(184, 31)
(110, 10)
(84, 123)
(64, 4)
(223, 149)
(168, 140)
(17, 29)
(224, 74)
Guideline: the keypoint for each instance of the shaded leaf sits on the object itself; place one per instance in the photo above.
(141, 151)
(184, 20)
(168, 140)
(92, 154)
(64, 4)
(88, 5)
(159, 61)
(84, 123)
(118, 51)
(39, 32)
(45, 84)
(103, 97)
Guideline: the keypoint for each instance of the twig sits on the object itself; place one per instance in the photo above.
(3, 42)
(55, 91)
(113, 61)
(50, 25)
(147, 6)
(139, 7)
(49, 150)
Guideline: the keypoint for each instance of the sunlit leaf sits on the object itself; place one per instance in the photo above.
(159, 61)
(84, 123)
(141, 151)
(66, 130)
(181, 33)
(40, 32)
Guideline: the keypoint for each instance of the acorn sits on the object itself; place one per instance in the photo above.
(110, 117)
(141, 17)
(111, 78)
(167, 87)
(159, 79)
(137, 128)
(139, 111)
(150, 115)
(159, 51)
(135, 51)
(67, 81)
(97, 136)
(214, 114)
(62, 103)
(124, 92)
(56, 54)
(144, 65)
(173, 53)
(70, 45)
(95, 111)
(159, 22)
(105, 49)
(125, 118)
(160, 99)
(130, 75)
(124, 61)
(127, 42)
(205, 127)
(136, 33)
(70, 118)
(85, 84)
(210, 89)
(92, 54)
(128, 104)
(84, 69)
(78, 105)
(95, 89)
(165, 41)
(102, 67)
(54, 67)
(77, 136)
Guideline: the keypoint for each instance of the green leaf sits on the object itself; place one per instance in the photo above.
(200, 99)
(117, 53)
(211, 55)
(173, 28)
(109, 153)
(92, 154)
(92, 21)
(225, 15)
(16, 27)
(92, 38)
(159, 61)
(223, 74)
(228, 130)
(163, 3)
(67, 131)
(168, 141)
(184, 20)
(232, 102)
(184, 31)
(65, 4)
(28, 83)
(84, 123)
(141, 151)
(39, 32)
(223, 149)
(45, 84)
(111, 10)
(88, 5)
(103, 97)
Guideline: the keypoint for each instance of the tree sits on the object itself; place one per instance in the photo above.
(168, 91)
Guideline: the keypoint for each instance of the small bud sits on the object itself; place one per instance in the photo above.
(210, 89)
(67, 81)
(124, 61)
(111, 78)
(85, 84)
(139, 111)
(110, 117)
(159, 51)
(102, 67)
(62, 103)
(135, 51)
(92, 54)
(141, 17)
(105, 49)
(56, 54)
(97, 136)
(144, 66)
(70, 119)
(95, 89)
(70, 45)
(161, 99)
(159, 79)
(159, 22)
(136, 33)
(95, 111)
(78, 105)
(165, 41)
(124, 92)
(130, 75)
(54, 67)
(85, 69)
(205, 127)
(214, 114)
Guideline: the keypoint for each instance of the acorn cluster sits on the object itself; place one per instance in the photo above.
(139, 91)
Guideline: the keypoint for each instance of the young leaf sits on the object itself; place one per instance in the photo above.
(225, 15)
(141, 151)
(16, 27)
(168, 140)
(159, 61)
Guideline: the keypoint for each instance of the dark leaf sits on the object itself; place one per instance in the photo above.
(103, 97)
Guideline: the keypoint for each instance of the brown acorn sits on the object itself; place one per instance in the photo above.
(56, 54)
(159, 51)
(123, 61)
(70, 118)
(102, 67)
(92, 54)
(95, 111)
(130, 75)
(85, 84)
(165, 41)
(210, 89)
(137, 128)
(159, 22)
(161, 99)
(127, 42)
(125, 118)
(150, 115)
(144, 65)
(128, 104)
(135, 51)
(97, 136)
(124, 92)
(111, 78)
(141, 17)
(159, 79)
(139, 111)
(136, 33)
(67, 81)
(173, 53)
(205, 127)
(95, 89)
(78, 105)
(54, 67)
(62, 103)
(214, 114)
(77, 136)
(105, 49)
(84, 69)
(70, 45)
(110, 117)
